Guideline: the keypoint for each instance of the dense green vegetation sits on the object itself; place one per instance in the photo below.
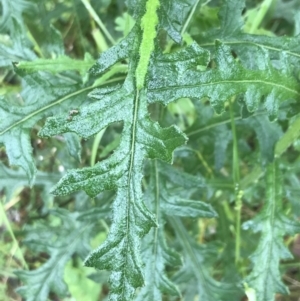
(150, 150)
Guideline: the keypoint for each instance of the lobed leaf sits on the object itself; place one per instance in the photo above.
(12, 14)
(173, 15)
(115, 54)
(283, 51)
(11, 180)
(41, 97)
(195, 270)
(166, 185)
(123, 172)
(171, 81)
(267, 133)
(60, 243)
(273, 224)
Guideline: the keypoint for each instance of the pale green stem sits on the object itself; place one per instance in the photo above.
(94, 15)
(236, 180)
(5, 221)
(264, 7)
(188, 20)
(291, 135)
(114, 70)
(96, 143)
(37, 48)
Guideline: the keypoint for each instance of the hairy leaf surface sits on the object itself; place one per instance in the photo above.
(172, 77)
(41, 97)
(125, 189)
(122, 172)
(172, 15)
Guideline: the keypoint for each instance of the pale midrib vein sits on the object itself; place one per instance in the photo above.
(60, 100)
(255, 44)
(227, 82)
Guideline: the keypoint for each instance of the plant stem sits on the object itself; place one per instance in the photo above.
(96, 143)
(188, 20)
(236, 181)
(264, 7)
(5, 221)
(94, 15)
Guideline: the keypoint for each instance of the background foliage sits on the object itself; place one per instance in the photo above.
(220, 101)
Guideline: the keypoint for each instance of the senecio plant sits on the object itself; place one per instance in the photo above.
(173, 155)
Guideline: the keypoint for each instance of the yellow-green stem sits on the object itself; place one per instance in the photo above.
(5, 221)
(264, 7)
(94, 15)
(95, 147)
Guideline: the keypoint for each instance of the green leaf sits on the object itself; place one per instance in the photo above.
(229, 78)
(267, 133)
(231, 17)
(284, 50)
(288, 138)
(115, 54)
(12, 12)
(123, 172)
(52, 45)
(60, 242)
(173, 14)
(164, 198)
(273, 224)
(196, 271)
(74, 146)
(155, 251)
(212, 129)
(175, 188)
(11, 180)
(16, 46)
(41, 97)
(14, 51)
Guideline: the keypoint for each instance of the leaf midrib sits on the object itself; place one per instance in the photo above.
(252, 43)
(226, 82)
